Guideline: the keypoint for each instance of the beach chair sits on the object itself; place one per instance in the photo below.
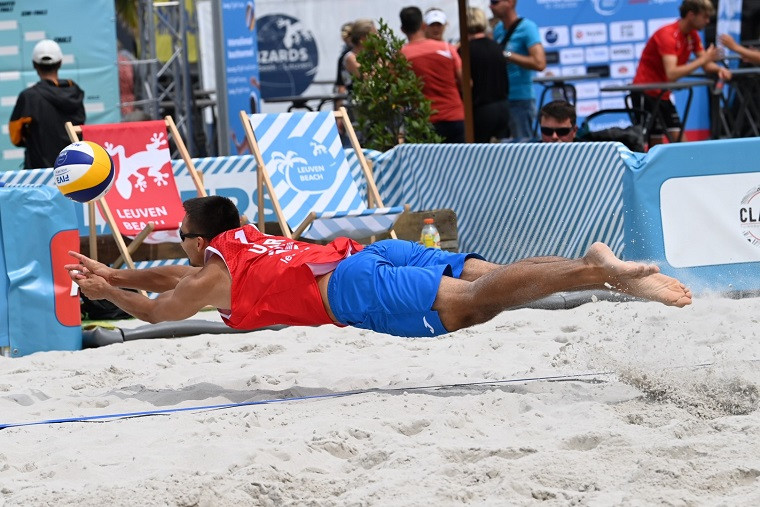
(144, 203)
(303, 166)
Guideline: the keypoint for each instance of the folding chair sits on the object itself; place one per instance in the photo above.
(626, 125)
(303, 166)
(144, 202)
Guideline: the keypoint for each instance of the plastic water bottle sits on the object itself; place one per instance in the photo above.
(429, 236)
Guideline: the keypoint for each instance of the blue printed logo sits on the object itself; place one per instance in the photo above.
(607, 7)
(551, 36)
(312, 173)
(288, 56)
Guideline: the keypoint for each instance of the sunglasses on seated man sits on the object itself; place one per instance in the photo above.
(561, 131)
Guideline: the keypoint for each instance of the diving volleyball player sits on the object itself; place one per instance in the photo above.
(392, 286)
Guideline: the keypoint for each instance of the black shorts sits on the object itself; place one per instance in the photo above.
(666, 117)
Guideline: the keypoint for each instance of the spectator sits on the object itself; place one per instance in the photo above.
(490, 84)
(359, 32)
(525, 54)
(340, 78)
(557, 121)
(666, 58)
(435, 23)
(38, 118)
(126, 62)
(747, 54)
(438, 64)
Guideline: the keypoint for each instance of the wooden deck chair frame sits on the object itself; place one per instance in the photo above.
(125, 251)
(263, 179)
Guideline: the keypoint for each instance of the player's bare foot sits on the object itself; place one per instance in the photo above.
(657, 287)
(637, 278)
(601, 256)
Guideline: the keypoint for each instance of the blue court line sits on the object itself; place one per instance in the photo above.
(128, 415)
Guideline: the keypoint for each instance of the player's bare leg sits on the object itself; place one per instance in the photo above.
(485, 289)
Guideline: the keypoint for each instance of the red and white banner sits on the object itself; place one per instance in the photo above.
(144, 189)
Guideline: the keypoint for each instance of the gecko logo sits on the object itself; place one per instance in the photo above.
(749, 216)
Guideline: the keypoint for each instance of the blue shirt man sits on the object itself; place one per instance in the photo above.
(525, 55)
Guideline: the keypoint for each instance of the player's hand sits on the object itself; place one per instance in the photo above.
(91, 285)
(87, 266)
(724, 74)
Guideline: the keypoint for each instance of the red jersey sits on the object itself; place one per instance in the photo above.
(668, 40)
(436, 63)
(273, 278)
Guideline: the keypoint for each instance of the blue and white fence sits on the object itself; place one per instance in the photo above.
(514, 200)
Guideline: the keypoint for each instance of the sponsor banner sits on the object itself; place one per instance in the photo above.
(299, 42)
(88, 43)
(607, 37)
(723, 229)
(241, 67)
(694, 208)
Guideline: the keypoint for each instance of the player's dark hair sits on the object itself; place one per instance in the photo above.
(560, 110)
(411, 20)
(211, 216)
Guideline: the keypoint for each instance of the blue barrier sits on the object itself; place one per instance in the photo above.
(38, 309)
(694, 208)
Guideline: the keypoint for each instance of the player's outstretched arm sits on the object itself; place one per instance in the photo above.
(158, 279)
(209, 286)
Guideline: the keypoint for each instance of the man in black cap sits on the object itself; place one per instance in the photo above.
(38, 119)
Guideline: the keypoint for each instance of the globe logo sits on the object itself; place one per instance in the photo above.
(551, 36)
(288, 56)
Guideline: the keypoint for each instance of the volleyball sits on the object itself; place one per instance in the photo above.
(84, 171)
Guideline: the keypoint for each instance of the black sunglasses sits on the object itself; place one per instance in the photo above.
(185, 235)
(561, 131)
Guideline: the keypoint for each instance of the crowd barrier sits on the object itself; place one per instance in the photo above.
(233, 177)
(511, 200)
(38, 308)
(694, 208)
(514, 200)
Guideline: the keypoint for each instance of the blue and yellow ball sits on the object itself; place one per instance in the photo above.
(84, 171)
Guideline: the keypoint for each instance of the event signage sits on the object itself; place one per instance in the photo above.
(86, 32)
(287, 54)
(241, 67)
(694, 209)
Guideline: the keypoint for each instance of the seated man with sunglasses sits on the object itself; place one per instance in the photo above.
(392, 286)
(557, 122)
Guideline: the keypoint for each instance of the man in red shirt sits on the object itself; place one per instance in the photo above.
(392, 286)
(666, 58)
(439, 66)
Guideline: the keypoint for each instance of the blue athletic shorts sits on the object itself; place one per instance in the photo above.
(390, 287)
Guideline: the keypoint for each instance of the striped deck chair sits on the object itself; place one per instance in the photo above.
(303, 166)
(144, 202)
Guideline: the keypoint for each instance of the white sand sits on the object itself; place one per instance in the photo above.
(650, 433)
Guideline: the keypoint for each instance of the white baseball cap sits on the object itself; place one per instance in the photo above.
(435, 16)
(47, 52)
